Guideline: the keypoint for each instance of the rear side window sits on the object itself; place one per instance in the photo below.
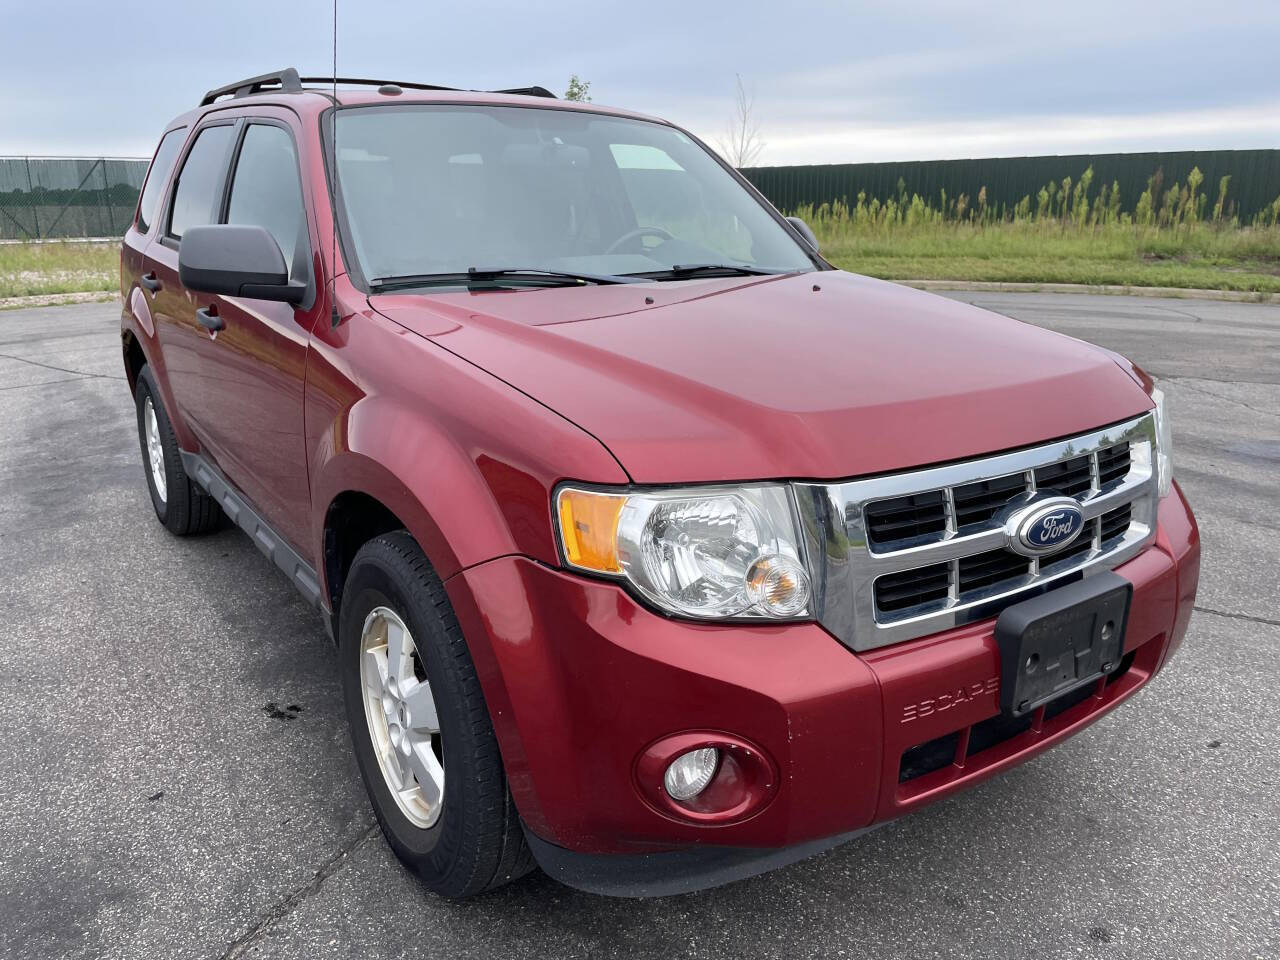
(199, 180)
(267, 191)
(158, 176)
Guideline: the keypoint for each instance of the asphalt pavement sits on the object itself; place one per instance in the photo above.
(176, 777)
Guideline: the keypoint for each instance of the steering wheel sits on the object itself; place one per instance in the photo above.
(636, 234)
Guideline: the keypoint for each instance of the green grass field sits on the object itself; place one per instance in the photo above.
(1205, 256)
(33, 269)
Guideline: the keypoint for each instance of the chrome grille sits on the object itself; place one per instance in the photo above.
(909, 554)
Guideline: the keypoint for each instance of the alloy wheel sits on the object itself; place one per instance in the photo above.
(402, 718)
(155, 450)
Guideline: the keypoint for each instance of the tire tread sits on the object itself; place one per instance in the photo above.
(492, 845)
(188, 511)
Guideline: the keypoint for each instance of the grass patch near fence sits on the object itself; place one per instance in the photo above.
(1180, 236)
(32, 269)
(1204, 256)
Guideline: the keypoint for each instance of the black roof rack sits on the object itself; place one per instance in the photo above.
(285, 80)
(364, 81)
(528, 92)
(288, 81)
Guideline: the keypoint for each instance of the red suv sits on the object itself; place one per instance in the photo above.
(656, 550)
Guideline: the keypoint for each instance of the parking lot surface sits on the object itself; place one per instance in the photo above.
(176, 777)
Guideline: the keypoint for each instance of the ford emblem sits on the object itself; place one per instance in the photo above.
(1044, 526)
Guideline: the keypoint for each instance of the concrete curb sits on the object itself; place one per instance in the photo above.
(57, 299)
(1180, 293)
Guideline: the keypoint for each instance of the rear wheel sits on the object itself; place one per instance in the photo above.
(179, 503)
(421, 731)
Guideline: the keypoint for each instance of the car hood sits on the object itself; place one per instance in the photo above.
(820, 376)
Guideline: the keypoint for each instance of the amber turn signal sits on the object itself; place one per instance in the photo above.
(589, 529)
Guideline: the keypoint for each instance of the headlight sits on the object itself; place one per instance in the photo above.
(1164, 445)
(706, 552)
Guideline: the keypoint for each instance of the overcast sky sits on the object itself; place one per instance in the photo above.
(834, 82)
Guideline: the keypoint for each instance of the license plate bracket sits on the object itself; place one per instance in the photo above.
(1061, 640)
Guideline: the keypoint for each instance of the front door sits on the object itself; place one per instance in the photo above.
(251, 355)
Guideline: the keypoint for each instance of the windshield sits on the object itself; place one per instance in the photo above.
(431, 189)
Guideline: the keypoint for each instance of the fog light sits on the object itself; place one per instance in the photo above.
(690, 773)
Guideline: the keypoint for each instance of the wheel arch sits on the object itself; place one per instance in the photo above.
(135, 358)
(351, 520)
(367, 494)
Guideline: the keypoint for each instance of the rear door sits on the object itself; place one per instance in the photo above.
(134, 267)
(194, 198)
(138, 282)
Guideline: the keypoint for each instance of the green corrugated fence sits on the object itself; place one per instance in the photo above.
(1255, 178)
(42, 198)
(65, 197)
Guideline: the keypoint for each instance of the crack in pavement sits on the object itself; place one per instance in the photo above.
(50, 366)
(1185, 382)
(258, 929)
(45, 383)
(1237, 616)
(1155, 372)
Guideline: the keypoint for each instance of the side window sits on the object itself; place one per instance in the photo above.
(158, 176)
(199, 180)
(267, 191)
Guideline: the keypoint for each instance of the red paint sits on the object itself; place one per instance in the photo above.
(747, 379)
(460, 412)
(581, 680)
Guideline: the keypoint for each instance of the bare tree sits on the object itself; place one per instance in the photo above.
(741, 144)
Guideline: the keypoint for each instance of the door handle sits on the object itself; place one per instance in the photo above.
(209, 319)
(150, 281)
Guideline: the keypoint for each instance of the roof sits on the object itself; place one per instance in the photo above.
(284, 85)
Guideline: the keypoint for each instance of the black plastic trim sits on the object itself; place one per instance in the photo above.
(281, 81)
(671, 872)
(534, 91)
(272, 545)
(1107, 596)
(368, 82)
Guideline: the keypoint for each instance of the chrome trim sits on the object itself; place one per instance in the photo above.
(846, 566)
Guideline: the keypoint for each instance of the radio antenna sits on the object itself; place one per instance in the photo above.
(333, 182)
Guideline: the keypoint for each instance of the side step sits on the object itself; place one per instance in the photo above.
(267, 540)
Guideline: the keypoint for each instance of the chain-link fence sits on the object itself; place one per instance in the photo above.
(43, 198)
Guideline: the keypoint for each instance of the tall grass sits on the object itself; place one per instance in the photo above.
(1176, 236)
(1067, 204)
(31, 269)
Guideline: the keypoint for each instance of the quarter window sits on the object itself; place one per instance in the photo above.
(267, 191)
(199, 180)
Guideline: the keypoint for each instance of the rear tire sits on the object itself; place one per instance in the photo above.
(180, 504)
(470, 840)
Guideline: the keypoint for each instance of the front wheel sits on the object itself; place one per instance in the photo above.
(421, 731)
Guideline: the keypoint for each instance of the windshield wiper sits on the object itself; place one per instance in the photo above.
(682, 271)
(474, 275)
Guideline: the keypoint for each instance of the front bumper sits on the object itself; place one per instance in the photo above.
(579, 679)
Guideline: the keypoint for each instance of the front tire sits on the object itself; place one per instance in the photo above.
(180, 504)
(421, 731)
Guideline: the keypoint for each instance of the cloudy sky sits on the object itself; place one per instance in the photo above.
(834, 82)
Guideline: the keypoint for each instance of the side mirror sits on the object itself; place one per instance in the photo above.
(237, 261)
(804, 231)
